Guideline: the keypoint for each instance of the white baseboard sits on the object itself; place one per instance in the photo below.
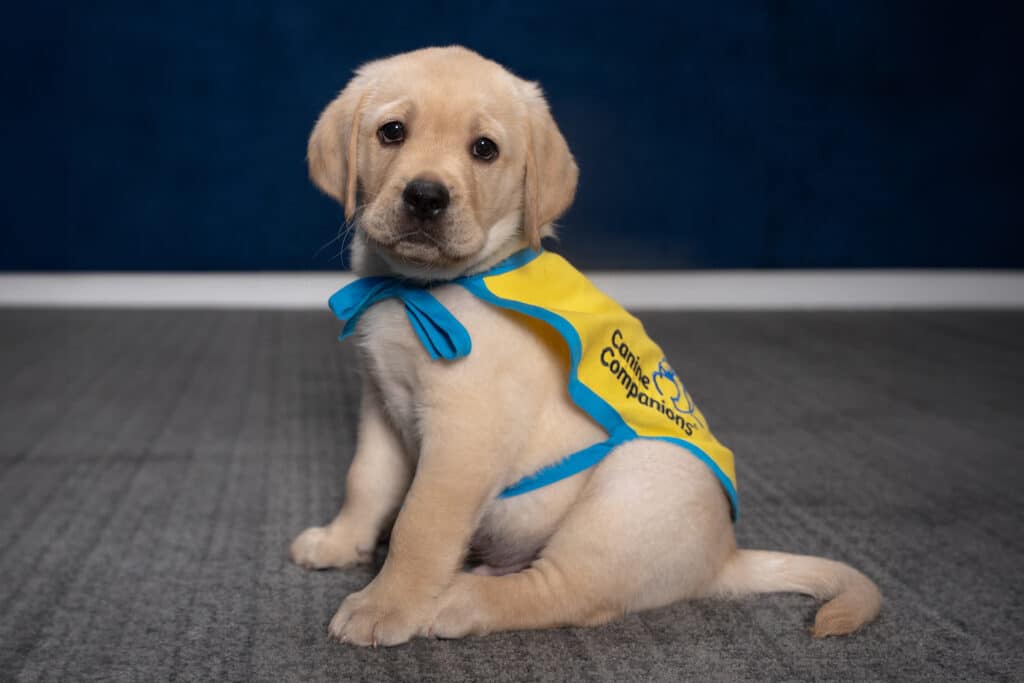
(651, 290)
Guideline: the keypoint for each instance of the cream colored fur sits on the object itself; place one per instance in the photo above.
(439, 440)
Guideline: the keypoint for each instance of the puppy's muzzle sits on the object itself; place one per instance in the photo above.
(425, 199)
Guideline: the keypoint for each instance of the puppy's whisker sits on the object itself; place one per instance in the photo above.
(340, 236)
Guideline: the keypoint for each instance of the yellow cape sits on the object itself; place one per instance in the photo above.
(617, 374)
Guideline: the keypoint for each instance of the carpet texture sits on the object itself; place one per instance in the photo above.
(155, 465)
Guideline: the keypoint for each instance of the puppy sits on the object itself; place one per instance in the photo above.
(448, 165)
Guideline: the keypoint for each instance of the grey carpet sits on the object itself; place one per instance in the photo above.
(155, 465)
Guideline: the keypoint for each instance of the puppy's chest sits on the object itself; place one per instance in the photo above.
(401, 370)
(391, 354)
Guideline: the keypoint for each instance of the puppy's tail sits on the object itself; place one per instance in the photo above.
(853, 599)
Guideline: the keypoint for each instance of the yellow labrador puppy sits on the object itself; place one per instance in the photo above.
(447, 164)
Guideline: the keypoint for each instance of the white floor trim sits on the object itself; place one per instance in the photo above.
(665, 290)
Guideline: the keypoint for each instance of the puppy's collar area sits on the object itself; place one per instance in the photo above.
(441, 334)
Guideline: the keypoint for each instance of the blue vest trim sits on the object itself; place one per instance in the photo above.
(563, 469)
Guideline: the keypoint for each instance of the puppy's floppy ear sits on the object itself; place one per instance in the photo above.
(333, 145)
(551, 172)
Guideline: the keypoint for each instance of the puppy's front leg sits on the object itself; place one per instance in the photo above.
(458, 472)
(377, 479)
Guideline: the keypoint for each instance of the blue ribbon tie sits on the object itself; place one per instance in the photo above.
(440, 333)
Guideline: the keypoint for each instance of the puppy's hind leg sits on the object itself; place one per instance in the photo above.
(651, 527)
(377, 481)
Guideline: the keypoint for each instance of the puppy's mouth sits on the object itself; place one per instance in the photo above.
(422, 242)
(418, 246)
(417, 236)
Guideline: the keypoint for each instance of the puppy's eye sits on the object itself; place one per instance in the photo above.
(485, 149)
(391, 132)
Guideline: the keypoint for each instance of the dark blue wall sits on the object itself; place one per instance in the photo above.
(171, 135)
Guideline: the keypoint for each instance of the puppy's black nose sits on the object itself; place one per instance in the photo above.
(425, 198)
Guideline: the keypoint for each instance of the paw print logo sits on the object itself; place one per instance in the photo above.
(668, 385)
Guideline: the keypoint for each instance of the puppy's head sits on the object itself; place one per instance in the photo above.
(443, 160)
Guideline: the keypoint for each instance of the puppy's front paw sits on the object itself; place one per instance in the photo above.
(379, 616)
(322, 547)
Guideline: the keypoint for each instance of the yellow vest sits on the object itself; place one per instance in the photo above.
(616, 373)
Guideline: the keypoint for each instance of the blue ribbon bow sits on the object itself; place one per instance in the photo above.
(440, 333)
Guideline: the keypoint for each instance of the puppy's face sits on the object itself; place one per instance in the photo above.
(442, 160)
